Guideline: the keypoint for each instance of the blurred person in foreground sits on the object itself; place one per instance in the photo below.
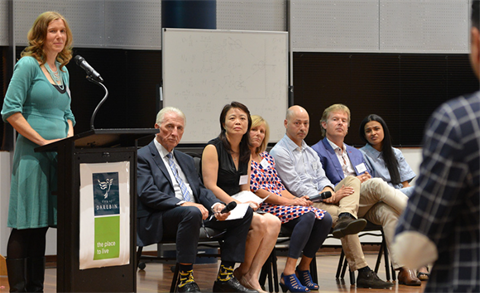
(441, 224)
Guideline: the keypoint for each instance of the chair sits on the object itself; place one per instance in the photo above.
(208, 238)
(343, 264)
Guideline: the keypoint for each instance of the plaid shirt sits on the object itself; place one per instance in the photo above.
(445, 204)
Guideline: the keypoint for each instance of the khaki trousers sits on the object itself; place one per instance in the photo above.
(349, 204)
(382, 205)
(378, 203)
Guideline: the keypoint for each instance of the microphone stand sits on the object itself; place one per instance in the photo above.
(91, 79)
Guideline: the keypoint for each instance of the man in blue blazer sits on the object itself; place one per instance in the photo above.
(380, 203)
(173, 203)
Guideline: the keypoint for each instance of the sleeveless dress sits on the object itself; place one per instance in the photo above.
(264, 176)
(228, 178)
(34, 175)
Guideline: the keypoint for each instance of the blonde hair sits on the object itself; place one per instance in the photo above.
(257, 121)
(38, 34)
(333, 108)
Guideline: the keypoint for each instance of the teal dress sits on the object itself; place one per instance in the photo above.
(34, 175)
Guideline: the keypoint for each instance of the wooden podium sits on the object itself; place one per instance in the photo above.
(93, 146)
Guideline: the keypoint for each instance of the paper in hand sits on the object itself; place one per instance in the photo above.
(238, 212)
(246, 196)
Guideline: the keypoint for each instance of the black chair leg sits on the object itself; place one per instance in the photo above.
(339, 267)
(139, 256)
(275, 272)
(379, 258)
(269, 272)
(313, 270)
(352, 277)
(175, 278)
(387, 263)
(270, 279)
(264, 272)
(344, 268)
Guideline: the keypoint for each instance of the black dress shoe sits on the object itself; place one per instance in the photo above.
(189, 287)
(347, 225)
(368, 279)
(232, 285)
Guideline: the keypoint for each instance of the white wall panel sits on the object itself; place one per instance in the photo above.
(133, 24)
(126, 24)
(400, 26)
(260, 15)
(3, 23)
(84, 17)
(87, 21)
(386, 26)
(25, 13)
(334, 25)
(427, 26)
(5, 177)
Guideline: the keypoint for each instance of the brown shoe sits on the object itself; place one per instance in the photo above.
(407, 277)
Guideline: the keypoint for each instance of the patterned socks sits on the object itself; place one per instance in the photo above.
(186, 275)
(225, 272)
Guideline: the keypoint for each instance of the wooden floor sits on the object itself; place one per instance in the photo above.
(157, 277)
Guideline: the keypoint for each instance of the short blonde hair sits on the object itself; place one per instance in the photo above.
(333, 108)
(38, 34)
(257, 121)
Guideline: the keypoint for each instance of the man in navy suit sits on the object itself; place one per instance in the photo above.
(380, 203)
(172, 202)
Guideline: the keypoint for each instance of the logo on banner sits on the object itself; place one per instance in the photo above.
(106, 193)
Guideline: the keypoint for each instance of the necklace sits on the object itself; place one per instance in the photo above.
(234, 156)
(56, 76)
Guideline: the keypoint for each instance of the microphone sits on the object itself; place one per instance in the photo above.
(229, 207)
(320, 197)
(80, 61)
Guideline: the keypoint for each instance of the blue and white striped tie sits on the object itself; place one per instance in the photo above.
(183, 187)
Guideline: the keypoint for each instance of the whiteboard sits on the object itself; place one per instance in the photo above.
(203, 70)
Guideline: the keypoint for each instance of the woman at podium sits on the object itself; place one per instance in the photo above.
(37, 105)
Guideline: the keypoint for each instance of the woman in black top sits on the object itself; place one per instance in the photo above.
(225, 169)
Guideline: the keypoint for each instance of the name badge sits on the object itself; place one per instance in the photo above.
(361, 168)
(243, 180)
(264, 163)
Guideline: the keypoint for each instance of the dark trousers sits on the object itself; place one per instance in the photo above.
(184, 223)
(308, 234)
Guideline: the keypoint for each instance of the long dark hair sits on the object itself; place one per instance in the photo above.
(387, 150)
(244, 155)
